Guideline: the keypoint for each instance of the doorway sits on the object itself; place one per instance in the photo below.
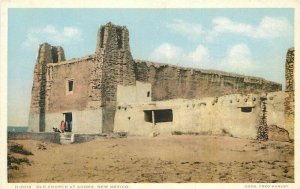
(68, 121)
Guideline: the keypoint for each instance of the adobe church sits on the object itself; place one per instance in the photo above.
(109, 91)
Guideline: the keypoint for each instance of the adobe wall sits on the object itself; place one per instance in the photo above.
(51, 137)
(289, 103)
(171, 82)
(46, 54)
(213, 116)
(116, 66)
(58, 75)
(138, 93)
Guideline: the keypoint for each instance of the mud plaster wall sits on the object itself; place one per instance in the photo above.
(58, 98)
(46, 54)
(85, 122)
(275, 111)
(117, 67)
(211, 115)
(216, 116)
(171, 82)
(139, 93)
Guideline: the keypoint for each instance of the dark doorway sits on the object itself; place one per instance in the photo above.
(68, 121)
(158, 116)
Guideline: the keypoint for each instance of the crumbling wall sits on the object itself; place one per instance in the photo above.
(47, 54)
(290, 92)
(117, 67)
(171, 82)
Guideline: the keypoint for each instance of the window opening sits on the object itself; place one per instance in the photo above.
(158, 116)
(102, 36)
(246, 109)
(119, 38)
(70, 85)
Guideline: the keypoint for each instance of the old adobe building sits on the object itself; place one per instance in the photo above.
(109, 91)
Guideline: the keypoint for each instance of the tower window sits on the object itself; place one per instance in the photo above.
(119, 38)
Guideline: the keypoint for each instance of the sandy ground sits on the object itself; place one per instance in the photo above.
(160, 159)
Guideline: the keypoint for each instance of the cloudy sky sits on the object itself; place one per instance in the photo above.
(246, 41)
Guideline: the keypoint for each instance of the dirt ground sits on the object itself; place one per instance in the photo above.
(184, 158)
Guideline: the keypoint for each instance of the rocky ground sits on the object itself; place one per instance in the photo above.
(184, 158)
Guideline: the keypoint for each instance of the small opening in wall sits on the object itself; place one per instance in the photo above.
(70, 85)
(246, 109)
(148, 94)
(102, 36)
(158, 116)
(119, 38)
(163, 115)
(148, 115)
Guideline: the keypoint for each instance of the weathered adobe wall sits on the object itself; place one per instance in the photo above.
(58, 98)
(51, 137)
(116, 66)
(290, 91)
(170, 82)
(213, 116)
(47, 53)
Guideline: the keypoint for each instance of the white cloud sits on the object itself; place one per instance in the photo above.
(71, 32)
(192, 31)
(200, 54)
(238, 58)
(272, 27)
(52, 35)
(167, 53)
(268, 28)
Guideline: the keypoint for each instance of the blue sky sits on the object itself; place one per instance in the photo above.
(246, 41)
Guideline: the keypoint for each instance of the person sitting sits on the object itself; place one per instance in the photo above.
(62, 126)
(56, 130)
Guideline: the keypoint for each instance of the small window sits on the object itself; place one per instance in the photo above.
(246, 109)
(70, 86)
(148, 94)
